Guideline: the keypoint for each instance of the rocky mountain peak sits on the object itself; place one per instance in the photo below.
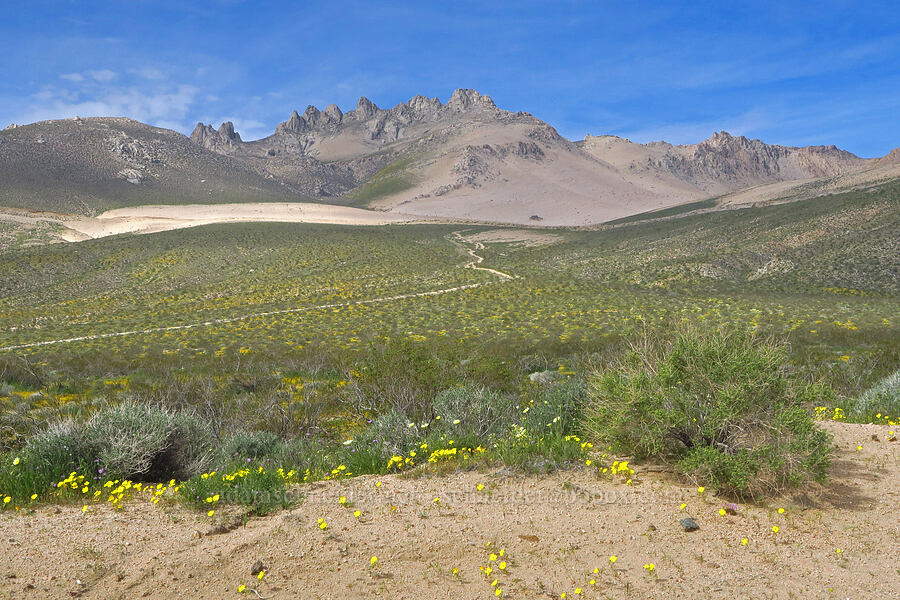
(891, 158)
(227, 131)
(202, 132)
(723, 139)
(294, 123)
(223, 141)
(465, 99)
(333, 112)
(365, 108)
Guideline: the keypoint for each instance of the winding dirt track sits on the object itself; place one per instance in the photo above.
(457, 239)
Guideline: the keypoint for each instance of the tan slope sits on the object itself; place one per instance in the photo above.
(787, 191)
(520, 172)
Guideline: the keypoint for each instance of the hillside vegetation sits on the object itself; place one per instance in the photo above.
(251, 306)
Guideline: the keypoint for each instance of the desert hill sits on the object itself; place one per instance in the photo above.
(85, 166)
(723, 163)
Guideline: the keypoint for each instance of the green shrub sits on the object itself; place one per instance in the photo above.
(557, 408)
(389, 434)
(253, 445)
(475, 412)
(150, 443)
(882, 398)
(263, 490)
(723, 406)
(47, 458)
(59, 450)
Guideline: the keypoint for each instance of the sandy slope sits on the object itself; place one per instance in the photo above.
(480, 173)
(555, 529)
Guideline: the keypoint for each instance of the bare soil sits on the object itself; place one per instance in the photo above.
(554, 530)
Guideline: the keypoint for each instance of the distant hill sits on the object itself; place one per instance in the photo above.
(722, 163)
(86, 166)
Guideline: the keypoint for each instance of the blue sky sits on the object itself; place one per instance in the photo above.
(792, 73)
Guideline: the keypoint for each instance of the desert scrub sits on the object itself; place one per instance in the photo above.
(128, 441)
(473, 411)
(150, 443)
(723, 406)
(250, 445)
(48, 457)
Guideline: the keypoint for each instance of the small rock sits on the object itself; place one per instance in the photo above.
(689, 524)
(544, 377)
(257, 567)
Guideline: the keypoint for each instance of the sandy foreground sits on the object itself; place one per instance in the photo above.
(554, 530)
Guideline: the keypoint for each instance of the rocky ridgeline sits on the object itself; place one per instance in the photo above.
(299, 132)
(726, 162)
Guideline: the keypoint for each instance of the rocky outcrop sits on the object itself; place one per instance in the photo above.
(889, 159)
(132, 176)
(131, 149)
(225, 140)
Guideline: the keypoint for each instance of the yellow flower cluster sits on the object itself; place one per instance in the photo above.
(338, 472)
(113, 491)
(398, 463)
(823, 413)
(496, 567)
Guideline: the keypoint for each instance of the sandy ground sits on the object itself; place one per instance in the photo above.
(554, 530)
(148, 219)
(154, 218)
(528, 238)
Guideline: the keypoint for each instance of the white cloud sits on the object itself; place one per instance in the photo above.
(72, 77)
(166, 107)
(151, 73)
(103, 75)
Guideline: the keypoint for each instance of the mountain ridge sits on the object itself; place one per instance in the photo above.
(465, 158)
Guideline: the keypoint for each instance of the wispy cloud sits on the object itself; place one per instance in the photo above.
(675, 70)
(103, 75)
(696, 131)
(156, 103)
(151, 73)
